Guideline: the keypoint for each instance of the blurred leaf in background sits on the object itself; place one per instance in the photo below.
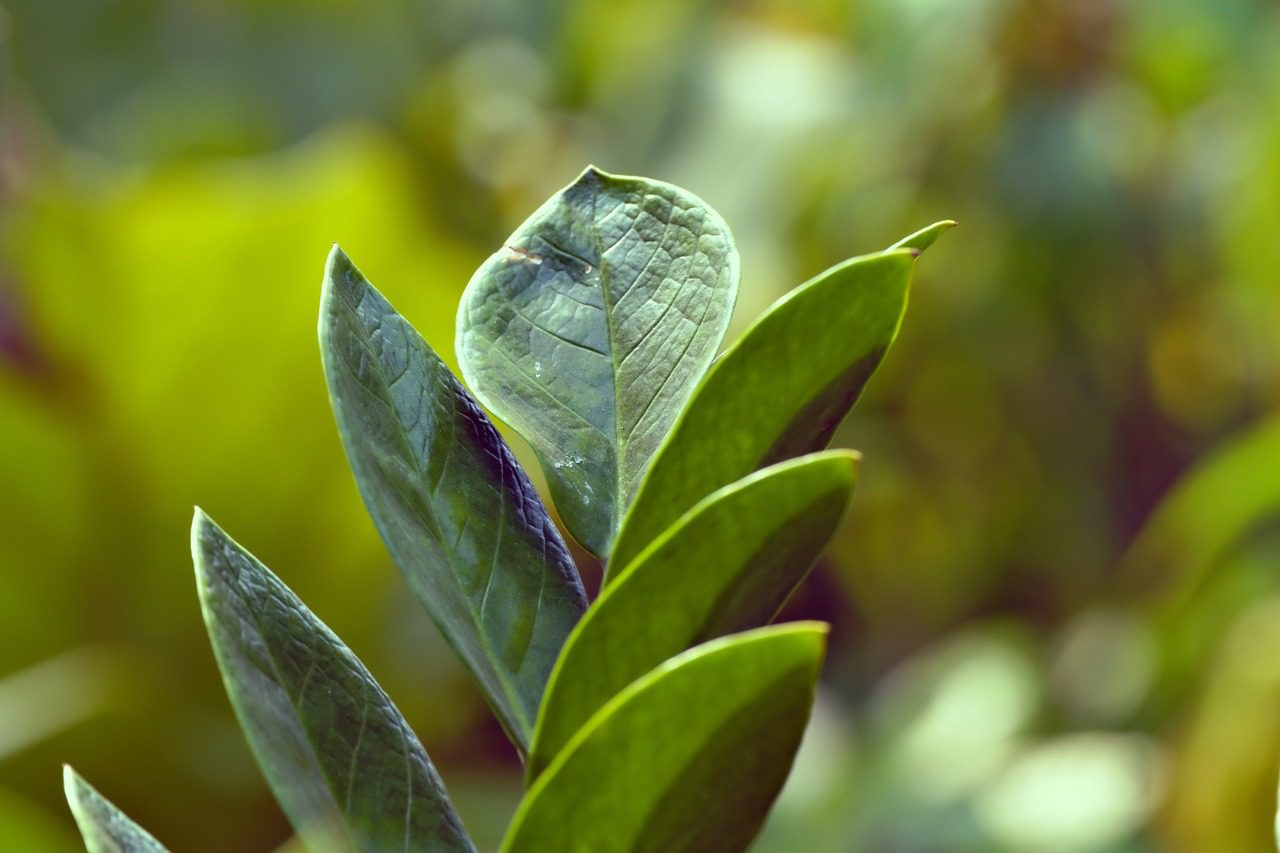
(172, 173)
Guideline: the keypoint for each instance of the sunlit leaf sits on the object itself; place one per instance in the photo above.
(727, 566)
(342, 762)
(925, 237)
(589, 329)
(455, 509)
(104, 827)
(688, 758)
(785, 385)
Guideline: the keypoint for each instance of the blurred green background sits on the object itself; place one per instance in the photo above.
(1057, 600)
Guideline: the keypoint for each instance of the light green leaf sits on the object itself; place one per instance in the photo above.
(688, 758)
(925, 237)
(104, 827)
(726, 566)
(784, 386)
(455, 509)
(342, 762)
(590, 328)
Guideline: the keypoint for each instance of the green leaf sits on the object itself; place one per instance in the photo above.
(104, 827)
(779, 391)
(925, 237)
(727, 566)
(342, 762)
(455, 509)
(588, 331)
(1224, 497)
(687, 758)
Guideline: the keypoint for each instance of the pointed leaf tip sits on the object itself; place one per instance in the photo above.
(104, 828)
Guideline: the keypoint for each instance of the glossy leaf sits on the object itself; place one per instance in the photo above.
(687, 758)
(104, 827)
(456, 510)
(925, 237)
(785, 385)
(727, 566)
(589, 329)
(342, 762)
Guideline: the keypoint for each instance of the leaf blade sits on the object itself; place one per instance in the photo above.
(631, 780)
(588, 331)
(435, 475)
(377, 792)
(728, 565)
(789, 381)
(104, 828)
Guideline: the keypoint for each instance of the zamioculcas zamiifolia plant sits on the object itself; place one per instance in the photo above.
(664, 715)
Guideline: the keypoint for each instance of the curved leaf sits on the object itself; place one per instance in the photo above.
(342, 762)
(925, 237)
(688, 758)
(785, 385)
(455, 509)
(588, 331)
(726, 566)
(1230, 493)
(104, 827)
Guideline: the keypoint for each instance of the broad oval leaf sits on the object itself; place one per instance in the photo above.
(342, 762)
(104, 827)
(455, 509)
(688, 758)
(728, 565)
(784, 386)
(590, 328)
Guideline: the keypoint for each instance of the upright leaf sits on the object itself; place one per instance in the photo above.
(779, 391)
(726, 566)
(104, 827)
(342, 762)
(688, 758)
(925, 237)
(455, 509)
(590, 328)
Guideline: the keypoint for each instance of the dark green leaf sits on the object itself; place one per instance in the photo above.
(782, 389)
(104, 827)
(728, 565)
(342, 762)
(455, 509)
(588, 331)
(688, 758)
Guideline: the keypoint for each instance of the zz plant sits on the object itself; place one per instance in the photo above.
(662, 716)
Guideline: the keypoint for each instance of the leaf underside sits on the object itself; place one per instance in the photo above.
(104, 827)
(457, 512)
(785, 386)
(727, 566)
(588, 331)
(688, 758)
(342, 762)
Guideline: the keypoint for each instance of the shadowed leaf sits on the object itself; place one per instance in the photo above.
(342, 762)
(455, 509)
(104, 827)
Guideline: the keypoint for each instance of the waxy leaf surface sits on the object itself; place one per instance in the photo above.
(589, 329)
(727, 566)
(780, 390)
(104, 827)
(342, 762)
(455, 509)
(688, 758)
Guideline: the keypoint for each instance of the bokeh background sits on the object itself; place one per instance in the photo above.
(1057, 599)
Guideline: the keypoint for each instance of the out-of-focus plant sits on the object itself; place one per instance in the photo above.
(666, 714)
